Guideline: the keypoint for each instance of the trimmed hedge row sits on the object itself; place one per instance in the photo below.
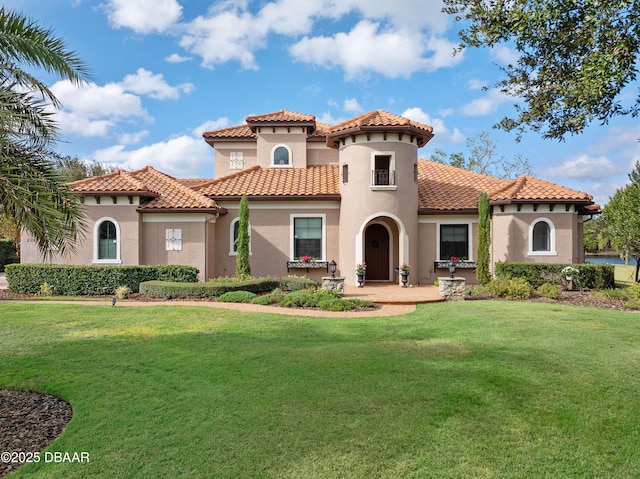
(66, 280)
(8, 254)
(214, 289)
(591, 276)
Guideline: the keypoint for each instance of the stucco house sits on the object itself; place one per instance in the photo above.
(353, 192)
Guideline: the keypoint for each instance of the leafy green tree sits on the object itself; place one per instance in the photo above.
(73, 168)
(483, 271)
(483, 158)
(622, 218)
(575, 58)
(32, 193)
(243, 268)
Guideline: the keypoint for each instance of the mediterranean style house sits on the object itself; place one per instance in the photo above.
(352, 193)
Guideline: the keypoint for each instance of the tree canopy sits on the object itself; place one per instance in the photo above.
(483, 158)
(622, 218)
(575, 58)
(32, 193)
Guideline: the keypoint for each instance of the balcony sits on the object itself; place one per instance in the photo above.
(383, 179)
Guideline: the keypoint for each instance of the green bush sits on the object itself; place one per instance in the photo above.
(296, 283)
(510, 288)
(591, 276)
(8, 254)
(92, 280)
(210, 289)
(549, 290)
(272, 298)
(336, 304)
(634, 290)
(237, 297)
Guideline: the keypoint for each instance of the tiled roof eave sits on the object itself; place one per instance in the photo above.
(443, 211)
(363, 129)
(146, 194)
(211, 210)
(546, 201)
(316, 197)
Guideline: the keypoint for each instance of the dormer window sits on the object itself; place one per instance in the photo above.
(281, 156)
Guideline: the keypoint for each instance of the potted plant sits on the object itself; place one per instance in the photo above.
(453, 262)
(405, 270)
(569, 273)
(306, 259)
(361, 270)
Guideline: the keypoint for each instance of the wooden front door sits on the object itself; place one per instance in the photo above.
(376, 252)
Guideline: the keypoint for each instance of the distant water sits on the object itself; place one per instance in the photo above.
(608, 260)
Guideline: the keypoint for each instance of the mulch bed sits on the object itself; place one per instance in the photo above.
(29, 422)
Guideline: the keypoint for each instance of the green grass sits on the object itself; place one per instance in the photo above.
(475, 389)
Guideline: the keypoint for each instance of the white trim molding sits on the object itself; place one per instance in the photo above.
(96, 242)
(323, 244)
(552, 238)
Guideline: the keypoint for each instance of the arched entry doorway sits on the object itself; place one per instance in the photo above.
(376, 252)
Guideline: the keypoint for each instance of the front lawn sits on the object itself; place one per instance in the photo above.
(477, 389)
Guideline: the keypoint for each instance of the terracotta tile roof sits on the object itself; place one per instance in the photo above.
(164, 191)
(233, 133)
(443, 188)
(380, 120)
(282, 116)
(527, 189)
(320, 180)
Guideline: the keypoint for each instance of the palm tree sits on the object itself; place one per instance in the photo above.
(32, 193)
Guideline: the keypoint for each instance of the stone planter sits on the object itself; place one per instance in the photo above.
(404, 277)
(333, 284)
(452, 289)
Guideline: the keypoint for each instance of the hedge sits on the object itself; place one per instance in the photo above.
(591, 276)
(69, 280)
(8, 254)
(214, 289)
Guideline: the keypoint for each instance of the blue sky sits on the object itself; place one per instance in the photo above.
(164, 71)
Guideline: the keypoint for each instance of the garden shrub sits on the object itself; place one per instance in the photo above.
(271, 298)
(237, 297)
(307, 298)
(550, 290)
(8, 254)
(336, 304)
(296, 283)
(591, 276)
(92, 280)
(510, 288)
(210, 289)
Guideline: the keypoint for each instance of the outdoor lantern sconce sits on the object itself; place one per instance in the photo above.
(332, 268)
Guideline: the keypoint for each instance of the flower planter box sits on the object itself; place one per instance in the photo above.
(307, 265)
(460, 265)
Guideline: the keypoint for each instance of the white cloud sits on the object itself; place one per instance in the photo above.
(175, 58)
(211, 125)
(504, 55)
(133, 138)
(146, 83)
(95, 111)
(368, 47)
(583, 167)
(351, 105)
(475, 84)
(441, 132)
(143, 16)
(389, 39)
(487, 104)
(183, 156)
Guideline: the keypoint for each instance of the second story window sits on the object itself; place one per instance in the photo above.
(383, 170)
(281, 156)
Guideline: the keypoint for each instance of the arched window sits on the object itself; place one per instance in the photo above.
(106, 241)
(542, 239)
(233, 237)
(281, 156)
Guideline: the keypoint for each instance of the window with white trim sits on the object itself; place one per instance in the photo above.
(106, 241)
(542, 237)
(233, 236)
(236, 160)
(454, 241)
(173, 239)
(281, 156)
(383, 170)
(308, 236)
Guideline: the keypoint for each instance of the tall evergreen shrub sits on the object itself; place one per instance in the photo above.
(483, 273)
(243, 268)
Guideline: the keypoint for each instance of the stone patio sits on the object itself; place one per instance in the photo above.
(392, 293)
